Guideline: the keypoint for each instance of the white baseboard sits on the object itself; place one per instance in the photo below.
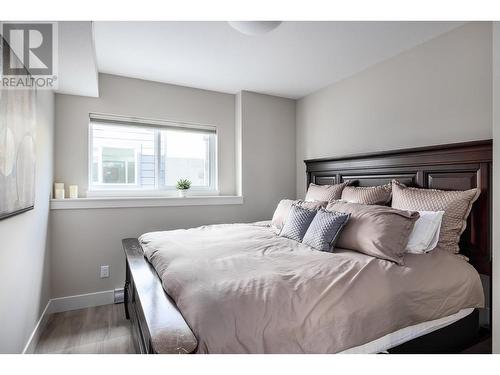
(35, 335)
(62, 304)
(81, 301)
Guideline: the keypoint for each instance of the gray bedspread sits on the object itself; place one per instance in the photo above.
(243, 289)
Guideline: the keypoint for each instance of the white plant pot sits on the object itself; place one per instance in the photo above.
(182, 193)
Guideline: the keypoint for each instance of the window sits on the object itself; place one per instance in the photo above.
(150, 155)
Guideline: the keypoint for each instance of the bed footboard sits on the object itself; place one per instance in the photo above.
(157, 324)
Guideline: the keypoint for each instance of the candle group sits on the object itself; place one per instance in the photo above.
(59, 191)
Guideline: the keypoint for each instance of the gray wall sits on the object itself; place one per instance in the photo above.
(84, 239)
(135, 97)
(438, 92)
(268, 150)
(24, 252)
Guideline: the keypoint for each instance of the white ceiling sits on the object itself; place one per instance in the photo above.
(292, 61)
(77, 70)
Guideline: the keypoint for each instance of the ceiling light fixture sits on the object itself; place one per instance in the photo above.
(254, 27)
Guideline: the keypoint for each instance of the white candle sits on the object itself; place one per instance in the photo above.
(58, 186)
(59, 194)
(73, 191)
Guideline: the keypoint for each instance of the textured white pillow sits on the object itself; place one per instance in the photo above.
(425, 234)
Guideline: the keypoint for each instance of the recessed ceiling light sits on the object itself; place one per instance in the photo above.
(254, 27)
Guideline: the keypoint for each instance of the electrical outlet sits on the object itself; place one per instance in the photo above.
(104, 271)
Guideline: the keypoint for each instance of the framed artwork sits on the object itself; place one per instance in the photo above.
(17, 151)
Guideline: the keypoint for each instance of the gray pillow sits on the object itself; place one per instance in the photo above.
(325, 229)
(297, 222)
(281, 212)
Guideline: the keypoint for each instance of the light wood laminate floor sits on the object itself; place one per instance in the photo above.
(100, 330)
(104, 330)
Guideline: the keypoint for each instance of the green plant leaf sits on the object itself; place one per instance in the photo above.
(183, 184)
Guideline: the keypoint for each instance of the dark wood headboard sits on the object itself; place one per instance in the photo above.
(458, 166)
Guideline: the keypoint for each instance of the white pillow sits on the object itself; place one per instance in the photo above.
(425, 234)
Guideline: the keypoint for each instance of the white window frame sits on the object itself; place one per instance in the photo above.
(129, 190)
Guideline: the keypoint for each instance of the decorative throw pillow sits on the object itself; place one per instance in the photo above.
(325, 192)
(281, 212)
(379, 231)
(456, 205)
(324, 229)
(425, 234)
(367, 195)
(297, 222)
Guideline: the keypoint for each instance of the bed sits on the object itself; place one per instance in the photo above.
(161, 325)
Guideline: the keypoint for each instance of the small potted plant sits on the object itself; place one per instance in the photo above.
(183, 185)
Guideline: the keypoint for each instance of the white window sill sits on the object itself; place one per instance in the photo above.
(128, 202)
(110, 193)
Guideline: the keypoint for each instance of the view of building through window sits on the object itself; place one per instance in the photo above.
(149, 158)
